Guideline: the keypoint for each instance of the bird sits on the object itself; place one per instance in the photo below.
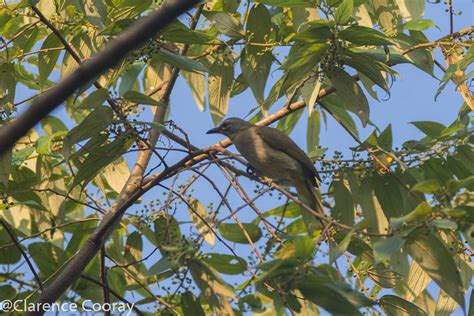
(273, 154)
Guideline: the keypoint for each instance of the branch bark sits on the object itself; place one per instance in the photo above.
(131, 39)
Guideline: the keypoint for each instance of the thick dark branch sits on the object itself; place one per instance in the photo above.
(130, 40)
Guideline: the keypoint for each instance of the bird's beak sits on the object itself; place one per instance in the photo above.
(214, 130)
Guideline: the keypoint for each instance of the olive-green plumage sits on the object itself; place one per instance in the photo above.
(274, 155)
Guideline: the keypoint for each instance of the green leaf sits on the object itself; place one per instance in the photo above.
(431, 129)
(336, 298)
(95, 99)
(340, 248)
(43, 145)
(397, 306)
(219, 88)
(313, 130)
(160, 266)
(167, 232)
(197, 83)
(315, 33)
(385, 248)
(99, 158)
(225, 23)
(139, 98)
(191, 305)
(8, 255)
(371, 68)
(421, 58)
(428, 186)
(421, 210)
(288, 123)
(129, 78)
(287, 210)
(201, 221)
(419, 25)
(343, 12)
(177, 32)
(343, 210)
(304, 57)
(361, 35)
(349, 91)
(226, 264)
(46, 256)
(433, 257)
(336, 106)
(92, 125)
(233, 232)
(181, 62)
(47, 59)
(255, 62)
(287, 3)
(444, 223)
(5, 166)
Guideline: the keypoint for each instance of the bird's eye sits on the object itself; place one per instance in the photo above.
(224, 127)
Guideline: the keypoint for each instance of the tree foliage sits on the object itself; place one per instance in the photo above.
(397, 219)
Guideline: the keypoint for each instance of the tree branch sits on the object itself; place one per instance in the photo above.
(131, 39)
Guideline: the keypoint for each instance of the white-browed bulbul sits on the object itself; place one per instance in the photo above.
(271, 153)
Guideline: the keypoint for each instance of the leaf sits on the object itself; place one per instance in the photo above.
(428, 186)
(233, 232)
(385, 248)
(202, 221)
(421, 58)
(417, 281)
(343, 12)
(95, 99)
(225, 23)
(336, 107)
(96, 12)
(160, 266)
(287, 3)
(226, 264)
(177, 32)
(343, 210)
(129, 78)
(219, 88)
(421, 210)
(92, 125)
(313, 130)
(99, 158)
(304, 57)
(340, 248)
(5, 165)
(361, 35)
(47, 59)
(397, 306)
(255, 62)
(181, 62)
(431, 129)
(10, 255)
(369, 67)
(444, 223)
(133, 247)
(139, 98)
(208, 280)
(445, 305)
(419, 25)
(310, 92)
(433, 257)
(348, 89)
(191, 305)
(197, 83)
(167, 232)
(117, 174)
(336, 298)
(411, 10)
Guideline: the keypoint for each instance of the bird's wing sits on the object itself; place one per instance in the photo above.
(280, 141)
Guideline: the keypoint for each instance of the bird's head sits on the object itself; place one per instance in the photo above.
(229, 127)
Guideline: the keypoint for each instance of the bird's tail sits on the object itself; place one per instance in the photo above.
(309, 195)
